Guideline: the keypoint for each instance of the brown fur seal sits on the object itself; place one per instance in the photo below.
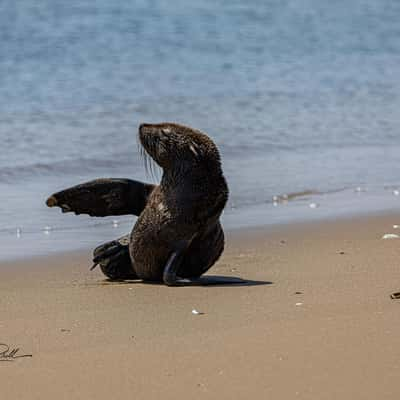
(178, 235)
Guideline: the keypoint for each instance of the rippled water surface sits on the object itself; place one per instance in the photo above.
(300, 96)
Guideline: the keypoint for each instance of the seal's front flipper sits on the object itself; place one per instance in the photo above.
(102, 197)
(114, 260)
(171, 278)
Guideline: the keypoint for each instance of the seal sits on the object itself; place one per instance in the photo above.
(178, 235)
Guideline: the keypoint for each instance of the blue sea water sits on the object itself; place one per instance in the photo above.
(299, 95)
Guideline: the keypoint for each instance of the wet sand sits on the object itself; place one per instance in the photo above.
(316, 321)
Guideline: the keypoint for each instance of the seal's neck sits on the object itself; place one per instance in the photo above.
(192, 174)
(195, 190)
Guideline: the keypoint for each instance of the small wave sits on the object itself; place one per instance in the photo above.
(62, 168)
(304, 194)
(282, 198)
(295, 195)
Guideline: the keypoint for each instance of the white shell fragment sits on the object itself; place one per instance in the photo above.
(46, 230)
(195, 312)
(396, 192)
(299, 304)
(396, 226)
(390, 236)
(282, 198)
(313, 205)
(19, 231)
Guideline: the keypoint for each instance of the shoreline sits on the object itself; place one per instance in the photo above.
(70, 233)
(315, 321)
(236, 231)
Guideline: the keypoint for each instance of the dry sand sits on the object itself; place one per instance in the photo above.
(319, 324)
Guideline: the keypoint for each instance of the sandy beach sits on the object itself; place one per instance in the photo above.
(316, 321)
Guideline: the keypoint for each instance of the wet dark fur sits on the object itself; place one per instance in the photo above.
(186, 206)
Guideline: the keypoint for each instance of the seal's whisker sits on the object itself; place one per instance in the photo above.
(154, 169)
(150, 166)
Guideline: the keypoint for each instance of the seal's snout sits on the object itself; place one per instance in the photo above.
(51, 201)
(143, 126)
(143, 129)
(142, 132)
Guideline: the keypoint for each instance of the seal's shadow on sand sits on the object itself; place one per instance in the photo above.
(207, 280)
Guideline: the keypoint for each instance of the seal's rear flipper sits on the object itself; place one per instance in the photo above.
(114, 260)
(102, 197)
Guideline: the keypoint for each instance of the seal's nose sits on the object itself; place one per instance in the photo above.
(142, 127)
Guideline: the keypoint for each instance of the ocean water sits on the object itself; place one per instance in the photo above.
(301, 96)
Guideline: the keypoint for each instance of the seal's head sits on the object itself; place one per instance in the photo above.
(173, 146)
